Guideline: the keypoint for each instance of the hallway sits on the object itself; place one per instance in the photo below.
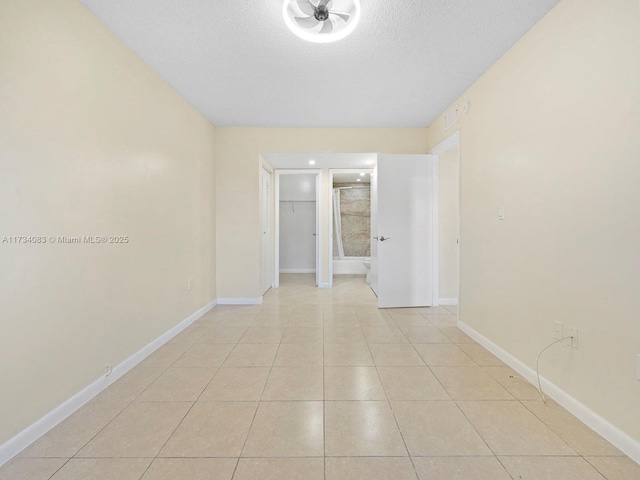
(320, 384)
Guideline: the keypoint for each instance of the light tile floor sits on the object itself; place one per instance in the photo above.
(318, 384)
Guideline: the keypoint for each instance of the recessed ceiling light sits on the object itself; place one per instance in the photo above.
(369, 162)
(362, 174)
(312, 162)
(359, 180)
(319, 21)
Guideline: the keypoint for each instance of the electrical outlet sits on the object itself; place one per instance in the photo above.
(638, 366)
(557, 330)
(108, 369)
(570, 331)
(190, 284)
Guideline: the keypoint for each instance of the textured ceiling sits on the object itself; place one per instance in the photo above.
(238, 63)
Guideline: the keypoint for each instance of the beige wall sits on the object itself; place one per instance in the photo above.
(91, 142)
(237, 161)
(449, 219)
(553, 135)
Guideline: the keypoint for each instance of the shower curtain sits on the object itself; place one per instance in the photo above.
(337, 225)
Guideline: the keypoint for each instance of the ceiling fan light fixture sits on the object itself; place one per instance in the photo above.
(321, 21)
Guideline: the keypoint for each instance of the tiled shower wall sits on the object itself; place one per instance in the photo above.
(355, 206)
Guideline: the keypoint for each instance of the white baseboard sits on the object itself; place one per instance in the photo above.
(240, 301)
(297, 270)
(448, 301)
(600, 425)
(15, 445)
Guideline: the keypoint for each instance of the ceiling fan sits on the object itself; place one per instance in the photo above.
(320, 12)
(322, 20)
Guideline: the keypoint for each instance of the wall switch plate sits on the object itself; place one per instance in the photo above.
(500, 213)
(190, 284)
(557, 330)
(571, 332)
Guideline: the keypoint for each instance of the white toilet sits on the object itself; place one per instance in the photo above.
(367, 264)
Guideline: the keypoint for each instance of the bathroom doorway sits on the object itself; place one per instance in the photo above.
(350, 223)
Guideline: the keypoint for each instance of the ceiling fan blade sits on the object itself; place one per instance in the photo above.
(327, 27)
(342, 15)
(306, 7)
(307, 22)
(324, 3)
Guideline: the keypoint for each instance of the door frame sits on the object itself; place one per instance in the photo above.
(319, 257)
(264, 170)
(448, 143)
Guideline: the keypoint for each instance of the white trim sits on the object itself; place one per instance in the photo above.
(318, 269)
(324, 285)
(240, 301)
(450, 142)
(330, 196)
(327, 160)
(268, 275)
(26, 437)
(448, 301)
(435, 226)
(266, 165)
(600, 425)
(298, 270)
(276, 232)
(447, 144)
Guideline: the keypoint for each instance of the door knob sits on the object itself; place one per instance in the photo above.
(382, 239)
(375, 238)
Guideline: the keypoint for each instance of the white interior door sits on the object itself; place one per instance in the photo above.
(405, 230)
(265, 200)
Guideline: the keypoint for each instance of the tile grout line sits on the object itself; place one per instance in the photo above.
(324, 410)
(233, 474)
(460, 410)
(595, 468)
(128, 404)
(246, 438)
(482, 438)
(61, 467)
(453, 401)
(391, 409)
(217, 369)
(548, 426)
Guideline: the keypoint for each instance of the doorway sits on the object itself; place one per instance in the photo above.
(297, 223)
(448, 175)
(266, 276)
(350, 223)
